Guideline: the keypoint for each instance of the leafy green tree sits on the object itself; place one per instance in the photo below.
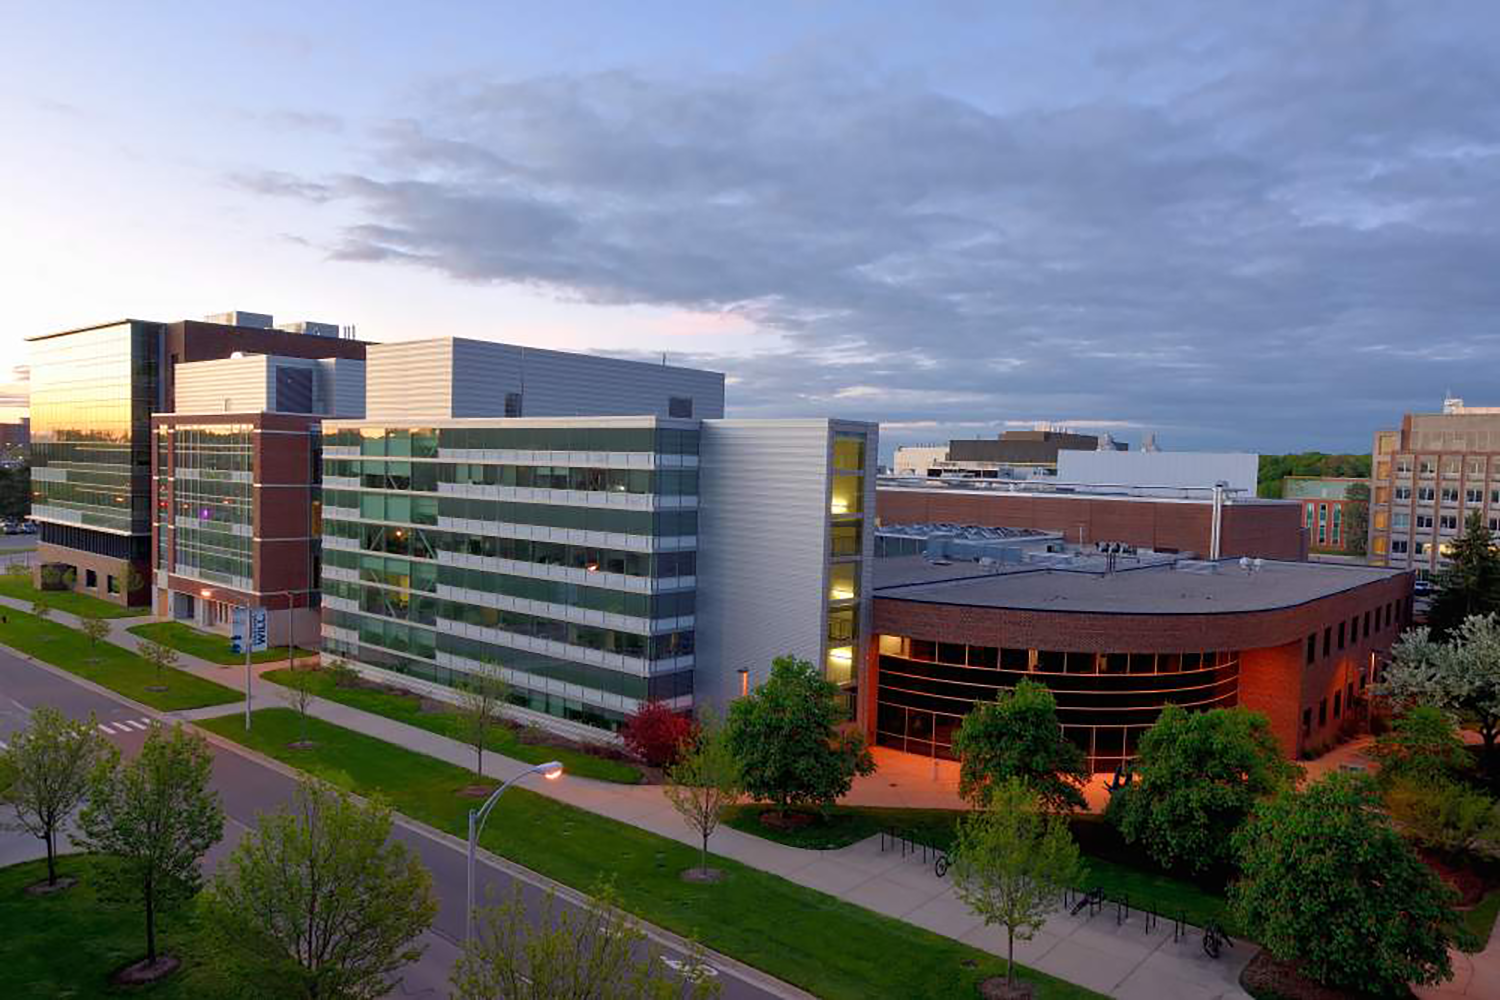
(1446, 816)
(789, 738)
(705, 781)
(1275, 468)
(155, 816)
(481, 697)
(1423, 745)
(1199, 775)
(1012, 861)
(1357, 518)
(94, 627)
(1461, 675)
(1471, 583)
(47, 767)
(591, 951)
(318, 900)
(1017, 736)
(1327, 882)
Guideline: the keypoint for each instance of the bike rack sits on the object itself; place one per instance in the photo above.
(1179, 926)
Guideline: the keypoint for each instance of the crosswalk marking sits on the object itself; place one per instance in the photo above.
(106, 730)
(136, 725)
(124, 726)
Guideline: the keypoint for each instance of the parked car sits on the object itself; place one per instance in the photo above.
(12, 527)
(28, 527)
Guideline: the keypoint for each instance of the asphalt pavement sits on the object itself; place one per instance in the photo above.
(247, 787)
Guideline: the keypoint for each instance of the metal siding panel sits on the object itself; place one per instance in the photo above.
(409, 381)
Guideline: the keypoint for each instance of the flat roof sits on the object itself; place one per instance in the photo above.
(85, 329)
(1164, 588)
(1064, 491)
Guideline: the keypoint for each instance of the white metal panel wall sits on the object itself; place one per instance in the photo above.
(483, 372)
(1159, 468)
(411, 380)
(342, 383)
(762, 549)
(562, 384)
(225, 385)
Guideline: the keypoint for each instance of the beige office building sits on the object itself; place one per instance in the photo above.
(1427, 478)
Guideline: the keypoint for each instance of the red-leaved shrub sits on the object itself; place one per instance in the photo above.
(656, 734)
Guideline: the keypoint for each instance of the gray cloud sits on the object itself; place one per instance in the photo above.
(1276, 232)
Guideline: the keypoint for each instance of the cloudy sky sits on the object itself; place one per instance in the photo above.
(1261, 226)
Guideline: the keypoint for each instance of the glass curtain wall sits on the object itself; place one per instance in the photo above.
(846, 516)
(213, 479)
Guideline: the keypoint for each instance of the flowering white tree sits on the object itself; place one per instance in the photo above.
(1462, 675)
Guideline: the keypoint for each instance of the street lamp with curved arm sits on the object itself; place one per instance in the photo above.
(551, 770)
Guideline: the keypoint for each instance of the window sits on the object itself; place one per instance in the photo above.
(1403, 492)
(112, 584)
(1403, 465)
(1400, 520)
(1426, 467)
(1494, 523)
(680, 406)
(1312, 648)
(1448, 522)
(1398, 546)
(1495, 496)
(1328, 640)
(1425, 494)
(1450, 494)
(1341, 635)
(91, 579)
(1420, 548)
(1307, 722)
(1476, 466)
(1424, 521)
(1367, 625)
(1322, 713)
(513, 406)
(1336, 512)
(1338, 703)
(1474, 496)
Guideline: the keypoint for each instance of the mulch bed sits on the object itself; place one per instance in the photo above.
(777, 820)
(994, 988)
(1267, 978)
(1469, 884)
(143, 972)
(702, 875)
(63, 883)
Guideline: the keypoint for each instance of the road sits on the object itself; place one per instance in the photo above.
(247, 787)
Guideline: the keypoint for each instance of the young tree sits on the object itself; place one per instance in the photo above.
(47, 768)
(41, 608)
(705, 781)
(1446, 816)
(1012, 862)
(94, 627)
(298, 690)
(481, 698)
(1423, 745)
(155, 816)
(1471, 583)
(1326, 881)
(656, 734)
(159, 655)
(570, 951)
(787, 735)
(1461, 675)
(1199, 775)
(1017, 736)
(319, 901)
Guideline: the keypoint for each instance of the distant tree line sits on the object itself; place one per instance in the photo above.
(1275, 468)
(15, 492)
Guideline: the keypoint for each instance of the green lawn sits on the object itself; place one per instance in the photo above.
(1118, 868)
(107, 664)
(407, 709)
(67, 944)
(208, 645)
(1481, 919)
(830, 948)
(19, 587)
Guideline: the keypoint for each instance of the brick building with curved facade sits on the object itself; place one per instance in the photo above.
(1297, 641)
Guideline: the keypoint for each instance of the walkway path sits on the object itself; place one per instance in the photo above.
(1109, 952)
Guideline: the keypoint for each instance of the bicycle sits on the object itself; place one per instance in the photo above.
(1214, 940)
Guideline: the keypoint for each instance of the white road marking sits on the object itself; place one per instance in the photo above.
(106, 730)
(3, 745)
(135, 725)
(690, 971)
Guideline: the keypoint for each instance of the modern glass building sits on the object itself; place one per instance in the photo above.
(560, 552)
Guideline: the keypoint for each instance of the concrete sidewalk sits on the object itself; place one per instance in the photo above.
(1110, 952)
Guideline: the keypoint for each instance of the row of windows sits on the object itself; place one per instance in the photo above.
(427, 609)
(1428, 466)
(1048, 660)
(423, 577)
(408, 509)
(425, 442)
(426, 543)
(930, 734)
(1447, 495)
(424, 477)
(1359, 627)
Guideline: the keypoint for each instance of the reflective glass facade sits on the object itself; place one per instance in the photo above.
(563, 555)
(846, 493)
(92, 394)
(1105, 701)
(212, 509)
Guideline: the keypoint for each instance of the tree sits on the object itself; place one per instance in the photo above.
(299, 692)
(1012, 862)
(155, 816)
(588, 951)
(656, 733)
(1356, 518)
(1199, 775)
(94, 627)
(319, 901)
(159, 655)
(788, 736)
(1423, 746)
(480, 699)
(47, 766)
(1017, 736)
(1327, 882)
(1445, 816)
(41, 608)
(705, 781)
(1461, 675)
(1471, 583)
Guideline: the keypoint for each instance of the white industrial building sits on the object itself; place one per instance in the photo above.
(1169, 469)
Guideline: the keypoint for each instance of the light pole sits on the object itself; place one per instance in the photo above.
(552, 770)
(245, 638)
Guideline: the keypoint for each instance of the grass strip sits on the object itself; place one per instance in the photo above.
(831, 948)
(18, 586)
(67, 944)
(1481, 919)
(1118, 868)
(502, 740)
(208, 645)
(108, 665)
